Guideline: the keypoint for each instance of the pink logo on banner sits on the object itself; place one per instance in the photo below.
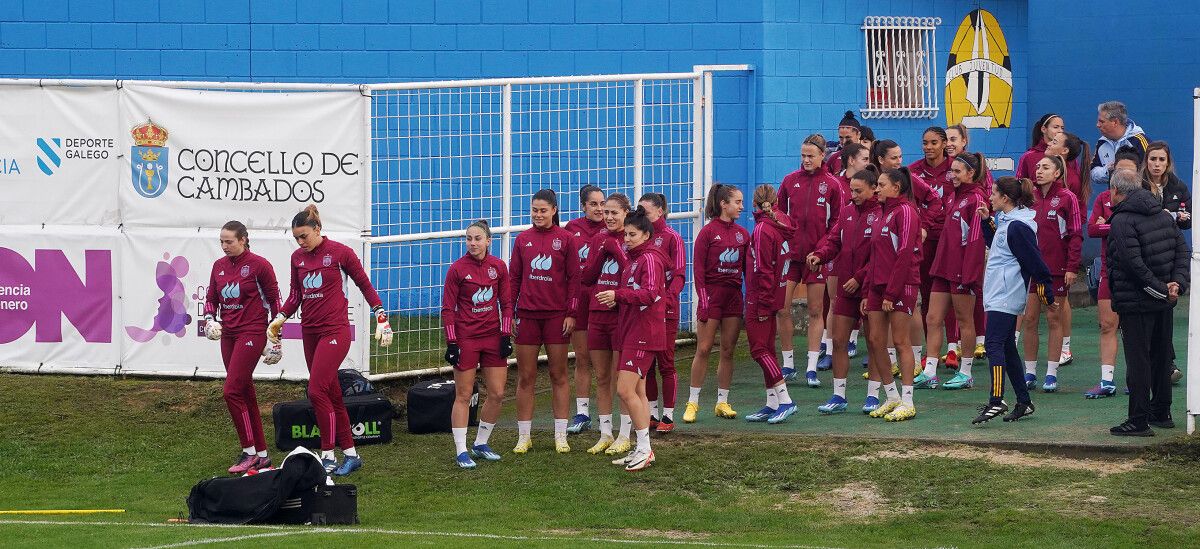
(172, 317)
(41, 295)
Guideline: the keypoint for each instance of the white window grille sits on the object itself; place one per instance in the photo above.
(899, 53)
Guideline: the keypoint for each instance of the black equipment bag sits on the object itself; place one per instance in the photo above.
(320, 506)
(354, 383)
(254, 498)
(370, 422)
(429, 405)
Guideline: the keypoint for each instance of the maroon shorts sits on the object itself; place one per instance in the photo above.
(724, 302)
(1103, 292)
(1058, 284)
(636, 360)
(905, 304)
(479, 352)
(847, 306)
(799, 273)
(943, 286)
(601, 333)
(541, 331)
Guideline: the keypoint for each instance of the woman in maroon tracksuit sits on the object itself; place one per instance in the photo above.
(591, 201)
(892, 283)
(934, 170)
(957, 140)
(1044, 131)
(242, 291)
(477, 313)
(671, 245)
(641, 306)
(957, 271)
(544, 269)
(812, 198)
(1060, 238)
(846, 246)
(317, 269)
(766, 271)
(605, 262)
(717, 260)
(1098, 227)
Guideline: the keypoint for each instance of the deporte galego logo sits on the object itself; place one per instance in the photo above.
(53, 152)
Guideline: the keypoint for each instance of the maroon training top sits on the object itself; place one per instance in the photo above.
(544, 270)
(476, 301)
(243, 289)
(317, 283)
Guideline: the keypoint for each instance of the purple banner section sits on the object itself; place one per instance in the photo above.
(41, 293)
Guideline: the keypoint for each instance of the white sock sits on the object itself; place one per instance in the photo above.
(873, 388)
(694, 395)
(906, 394)
(460, 439)
(1017, 337)
(351, 452)
(781, 393)
(262, 454)
(854, 336)
(964, 363)
(916, 349)
(722, 395)
(891, 392)
(789, 360)
(892, 354)
(1066, 348)
(952, 348)
(930, 366)
(626, 424)
(248, 450)
(327, 454)
(979, 340)
(605, 425)
(1031, 366)
(523, 428)
(669, 413)
(1052, 368)
(813, 357)
(825, 337)
(654, 409)
(1107, 371)
(581, 406)
(839, 387)
(560, 428)
(827, 342)
(772, 398)
(483, 433)
(643, 440)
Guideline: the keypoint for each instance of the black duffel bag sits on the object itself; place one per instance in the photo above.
(429, 405)
(370, 421)
(322, 505)
(254, 498)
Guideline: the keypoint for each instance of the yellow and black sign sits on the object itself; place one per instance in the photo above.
(979, 86)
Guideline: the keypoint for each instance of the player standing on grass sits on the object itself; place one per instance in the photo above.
(812, 200)
(603, 272)
(477, 313)
(848, 242)
(892, 283)
(641, 306)
(317, 287)
(957, 271)
(767, 280)
(934, 170)
(544, 269)
(1074, 152)
(718, 260)
(957, 140)
(1013, 263)
(242, 291)
(671, 245)
(591, 200)
(1060, 238)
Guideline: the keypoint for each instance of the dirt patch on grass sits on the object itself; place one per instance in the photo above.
(857, 500)
(1102, 468)
(667, 534)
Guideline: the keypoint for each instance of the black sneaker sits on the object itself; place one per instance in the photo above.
(1162, 423)
(653, 423)
(1021, 410)
(1128, 429)
(989, 412)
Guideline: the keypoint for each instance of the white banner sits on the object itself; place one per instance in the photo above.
(58, 299)
(200, 158)
(58, 150)
(165, 275)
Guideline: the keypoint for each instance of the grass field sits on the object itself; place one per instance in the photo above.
(845, 481)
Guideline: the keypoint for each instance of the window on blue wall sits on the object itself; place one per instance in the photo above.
(899, 54)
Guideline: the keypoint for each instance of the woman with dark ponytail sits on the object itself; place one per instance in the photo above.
(544, 268)
(718, 260)
(325, 328)
(582, 229)
(242, 295)
(671, 245)
(1045, 130)
(1014, 262)
(957, 271)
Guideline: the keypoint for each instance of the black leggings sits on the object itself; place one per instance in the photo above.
(1001, 344)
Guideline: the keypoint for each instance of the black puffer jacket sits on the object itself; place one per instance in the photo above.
(1176, 198)
(1146, 250)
